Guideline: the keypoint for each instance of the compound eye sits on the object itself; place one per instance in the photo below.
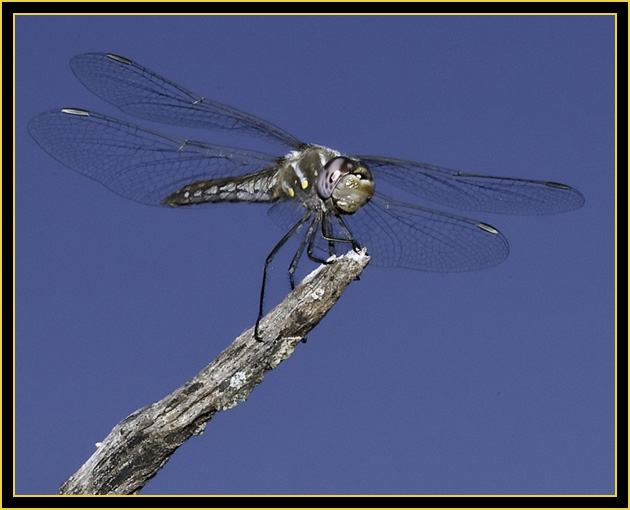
(329, 176)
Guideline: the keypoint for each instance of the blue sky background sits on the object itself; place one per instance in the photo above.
(492, 382)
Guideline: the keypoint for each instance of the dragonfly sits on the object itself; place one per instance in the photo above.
(321, 197)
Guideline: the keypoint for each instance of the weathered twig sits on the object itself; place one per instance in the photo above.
(142, 443)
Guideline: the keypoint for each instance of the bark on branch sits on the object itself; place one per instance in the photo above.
(142, 443)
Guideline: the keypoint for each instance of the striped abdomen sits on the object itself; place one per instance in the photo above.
(258, 187)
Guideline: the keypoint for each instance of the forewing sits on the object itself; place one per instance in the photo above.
(137, 163)
(474, 192)
(143, 93)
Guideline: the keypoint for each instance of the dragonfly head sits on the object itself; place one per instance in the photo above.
(347, 182)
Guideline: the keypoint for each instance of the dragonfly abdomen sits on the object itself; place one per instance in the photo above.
(247, 188)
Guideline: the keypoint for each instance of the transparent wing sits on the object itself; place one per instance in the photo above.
(409, 236)
(143, 93)
(473, 192)
(134, 162)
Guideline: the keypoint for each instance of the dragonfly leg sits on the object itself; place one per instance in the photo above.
(308, 239)
(346, 231)
(270, 257)
(327, 233)
(311, 245)
(355, 246)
